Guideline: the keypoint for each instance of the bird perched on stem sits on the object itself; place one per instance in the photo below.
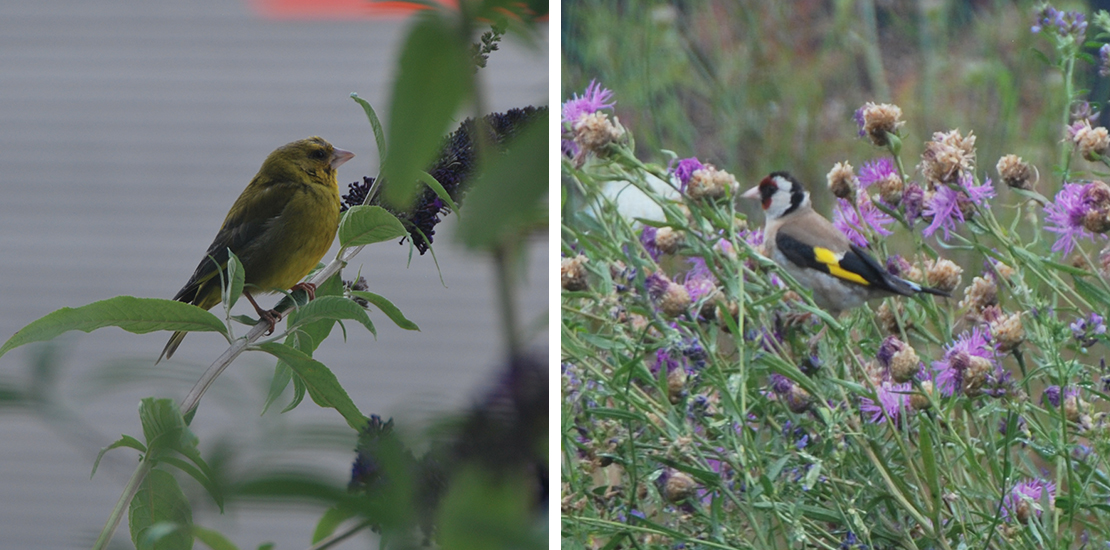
(818, 255)
(279, 228)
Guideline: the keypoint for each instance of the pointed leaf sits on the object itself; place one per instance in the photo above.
(136, 315)
(330, 521)
(236, 278)
(280, 381)
(165, 428)
(123, 441)
(159, 500)
(201, 473)
(387, 308)
(322, 385)
(334, 308)
(440, 192)
(375, 124)
(367, 225)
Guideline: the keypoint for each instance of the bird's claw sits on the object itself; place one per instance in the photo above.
(272, 317)
(308, 288)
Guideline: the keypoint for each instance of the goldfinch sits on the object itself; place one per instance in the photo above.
(819, 256)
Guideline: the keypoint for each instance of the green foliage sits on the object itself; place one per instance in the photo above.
(135, 315)
(362, 225)
(160, 516)
(322, 386)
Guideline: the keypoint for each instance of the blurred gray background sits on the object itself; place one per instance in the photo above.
(127, 129)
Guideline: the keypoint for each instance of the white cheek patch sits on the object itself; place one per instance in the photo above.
(780, 203)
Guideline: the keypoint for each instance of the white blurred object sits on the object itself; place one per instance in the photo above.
(633, 203)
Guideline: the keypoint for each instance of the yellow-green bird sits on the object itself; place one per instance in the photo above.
(279, 228)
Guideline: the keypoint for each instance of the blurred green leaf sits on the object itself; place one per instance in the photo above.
(135, 315)
(434, 77)
(213, 539)
(508, 196)
(330, 521)
(483, 510)
(160, 501)
(367, 225)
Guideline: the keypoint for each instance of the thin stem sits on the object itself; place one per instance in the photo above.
(122, 504)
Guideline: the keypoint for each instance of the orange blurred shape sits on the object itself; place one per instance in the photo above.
(338, 9)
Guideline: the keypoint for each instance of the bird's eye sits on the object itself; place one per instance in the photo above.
(318, 154)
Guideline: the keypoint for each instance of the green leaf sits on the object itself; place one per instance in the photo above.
(298, 394)
(322, 385)
(334, 308)
(440, 192)
(508, 196)
(387, 308)
(236, 278)
(123, 441)
(159, 500)
(433, 79)
(164, 427)
(280, 381)
(135, 315)
(330, 521)
(367, 225)
(483, 509)
(213, 539)
(375, 124)
(199, 472)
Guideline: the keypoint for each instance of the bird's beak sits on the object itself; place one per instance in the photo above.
(751, 194)
(339, 156)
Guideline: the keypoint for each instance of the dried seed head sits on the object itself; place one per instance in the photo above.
(573, 273)
(1016, 173)
(675, 300)
(943, 274)
(1092, 143)
(920, 400)
(904, 365)
(888, 321)
(982, 292)
(668, 239)
(711, 183)
(891, 189)
(877, 120)
(843, 182)
(679, 486)
(975, 375)
(948, 156)
(594, 132)
(1007, 332)
(676, 385)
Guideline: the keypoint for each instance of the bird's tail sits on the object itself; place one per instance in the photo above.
(171, 346)
(901, 285)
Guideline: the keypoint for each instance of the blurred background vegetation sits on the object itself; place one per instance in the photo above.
(756, 86)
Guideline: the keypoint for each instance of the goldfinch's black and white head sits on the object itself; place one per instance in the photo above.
(780, 195)
(818, 255)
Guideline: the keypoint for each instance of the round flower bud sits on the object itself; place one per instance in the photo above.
(711, 183)
(878, 120)
(891, 189)
(904, 365)
(1007, 332)
(981, 293)
(920, 400)
(888, 321)
(1091, 143)
(675, 300)
(843, 182)
(676, 385)
(679, 486)
(668, 239)
(943, 274)
(975, 375)
(573, 273)
(593, 132)
(1016, 173)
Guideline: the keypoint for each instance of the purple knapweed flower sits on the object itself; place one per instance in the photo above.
(699, 281)
(893, 400)
(1064, 216)
(852, 223)
(593, 100)
(913, 200)
(947, 205)
(963, 359)
(876, 170)
(1024, 500)
(685, 168)
(647, 238)
(1087, 330)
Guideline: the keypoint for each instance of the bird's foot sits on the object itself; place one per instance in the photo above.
(271, 316)
(309, 289)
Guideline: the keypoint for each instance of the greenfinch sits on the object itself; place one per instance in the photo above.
(279, 228)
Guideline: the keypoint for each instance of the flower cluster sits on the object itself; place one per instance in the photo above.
(968, 365)
(1027, 499)
(1070, 25)
(1078, 211)
(585, 127)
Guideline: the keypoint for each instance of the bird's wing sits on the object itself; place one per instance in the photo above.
(251, 216)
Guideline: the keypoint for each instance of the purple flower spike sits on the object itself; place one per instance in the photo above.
(1064, 216)
(851, 223)
(593, 100)
(944, 207)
